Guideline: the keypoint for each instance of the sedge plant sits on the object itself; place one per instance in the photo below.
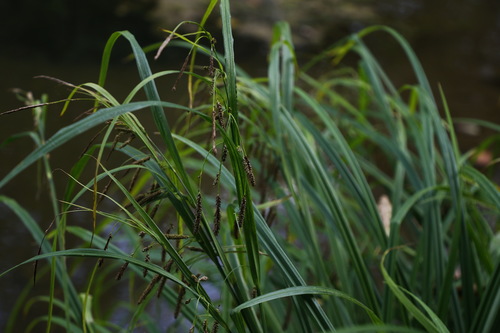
(267, 207)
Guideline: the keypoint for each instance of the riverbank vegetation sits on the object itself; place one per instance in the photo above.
(292, 202)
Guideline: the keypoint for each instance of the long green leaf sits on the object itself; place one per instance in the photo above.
(152, 95)
(432, 324)
(71, 131)
(38, 236)
(305, 290)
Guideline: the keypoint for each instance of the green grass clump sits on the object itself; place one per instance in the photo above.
(285, 203)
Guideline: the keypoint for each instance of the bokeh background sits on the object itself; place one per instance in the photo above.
(457, 41)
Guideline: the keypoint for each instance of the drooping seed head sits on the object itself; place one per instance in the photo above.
(217, 214)
(241, 214)
(121, 271)
(161, 286)
(198, 212)
(248, 170)
(148, 289)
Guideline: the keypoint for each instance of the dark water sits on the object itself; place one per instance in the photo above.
(458, 43)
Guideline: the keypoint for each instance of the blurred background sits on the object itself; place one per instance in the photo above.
(458, 43)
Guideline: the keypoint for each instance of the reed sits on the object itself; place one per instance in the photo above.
(288, 235)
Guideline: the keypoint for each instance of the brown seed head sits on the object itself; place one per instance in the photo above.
(198, 212)
(121, 271)
(148, 289)
(217, 215)
(241, 214)
(248, 170)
